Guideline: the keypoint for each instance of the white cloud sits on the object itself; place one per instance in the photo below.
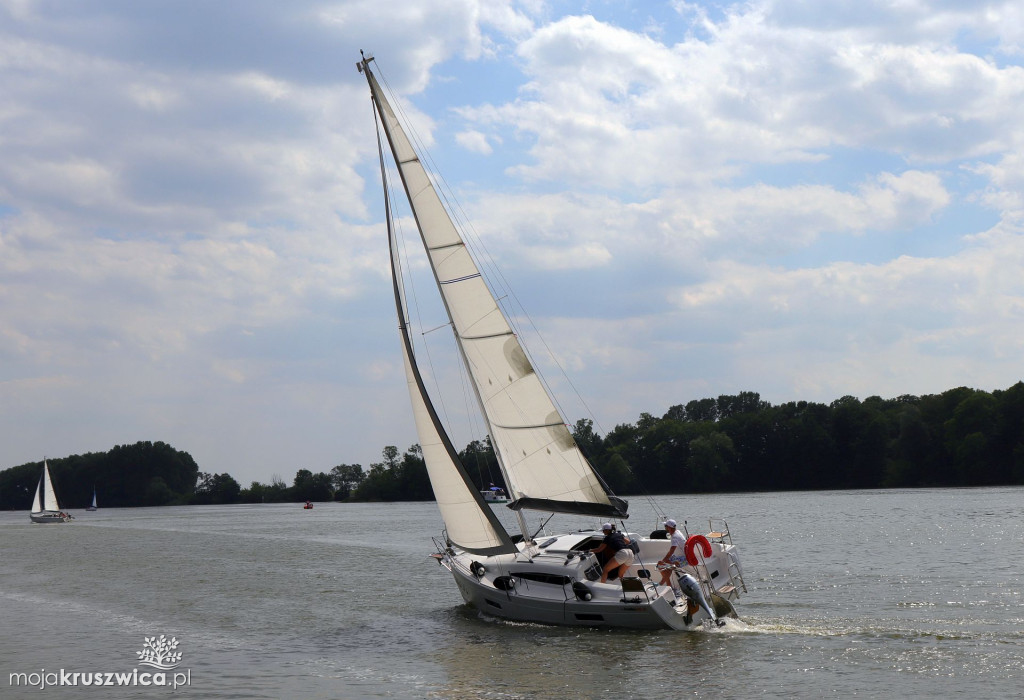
(683, 228)
(907, 324)
(474, 141)
(607, 107)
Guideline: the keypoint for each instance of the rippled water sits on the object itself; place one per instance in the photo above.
(868, 593)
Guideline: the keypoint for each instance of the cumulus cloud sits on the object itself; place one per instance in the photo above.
(859, 324)
(754, 90)
(474, 141)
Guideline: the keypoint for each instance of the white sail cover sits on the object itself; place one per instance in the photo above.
(543, 466)
(45, 499)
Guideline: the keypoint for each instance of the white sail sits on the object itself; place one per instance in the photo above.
(544, 468)
(93, 498)
(470, 524)
(45, 498)
(37, 505)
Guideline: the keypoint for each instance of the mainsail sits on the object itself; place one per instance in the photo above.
(543, 467)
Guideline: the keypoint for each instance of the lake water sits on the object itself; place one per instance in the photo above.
(906, 594)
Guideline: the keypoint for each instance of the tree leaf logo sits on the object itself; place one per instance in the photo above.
(159, 652)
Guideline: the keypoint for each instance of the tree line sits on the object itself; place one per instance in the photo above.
(143, 474)
(962, 437)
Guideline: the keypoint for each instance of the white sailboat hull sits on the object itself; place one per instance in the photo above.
(542, 586)
(48, 517)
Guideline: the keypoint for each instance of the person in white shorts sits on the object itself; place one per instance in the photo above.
(619, 553)
(675, 555)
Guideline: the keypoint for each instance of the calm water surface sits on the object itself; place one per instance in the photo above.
(852, 593)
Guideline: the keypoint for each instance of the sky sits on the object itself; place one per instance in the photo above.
(803, 199)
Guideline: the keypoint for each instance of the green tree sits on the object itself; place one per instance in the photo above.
(702, 410)
(709, 462)
(589, 442)
(345, 478)
(311, 487)
(157, 492)
(617, 474)
(482, 464)
(396, 478)
(216, 488)
(381, 483)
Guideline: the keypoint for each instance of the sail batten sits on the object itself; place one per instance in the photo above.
(486, 337)
(460, 279)
(542, 465)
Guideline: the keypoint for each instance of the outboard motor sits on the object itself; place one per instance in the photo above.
(691, 589)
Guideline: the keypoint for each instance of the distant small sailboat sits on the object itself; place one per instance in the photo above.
(495, 494)
(93, 505)
(45, 508)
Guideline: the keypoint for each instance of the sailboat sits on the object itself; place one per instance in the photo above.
(494, 494)
(555, 579)
(45, 508)
(92, 506)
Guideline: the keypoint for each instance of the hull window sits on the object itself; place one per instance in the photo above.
(554, 579)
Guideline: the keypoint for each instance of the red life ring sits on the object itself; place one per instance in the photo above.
(691, 544)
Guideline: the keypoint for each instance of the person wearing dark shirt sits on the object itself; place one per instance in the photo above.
(619, 553)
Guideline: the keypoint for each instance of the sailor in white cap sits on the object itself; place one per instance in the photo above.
(675, 555)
